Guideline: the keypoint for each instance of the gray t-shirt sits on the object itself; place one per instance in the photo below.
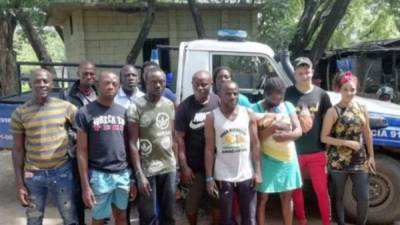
(155, 134)
(105, 127)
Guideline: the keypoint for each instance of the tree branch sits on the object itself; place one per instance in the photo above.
(318, 19)
(144, 32)
(60, 32)
(36, 42)
(332, 21)
(197, 19)
(298, 42)
(8, 81)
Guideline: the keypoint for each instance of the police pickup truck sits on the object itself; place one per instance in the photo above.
(253, 62)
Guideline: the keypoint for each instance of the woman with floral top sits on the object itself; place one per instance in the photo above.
(346, 131)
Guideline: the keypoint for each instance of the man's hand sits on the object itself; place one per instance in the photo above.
(187, 175)
(144, 186)
(88, 197)
(23, 195)
(132, 192)
(256, 180)
(212, 188)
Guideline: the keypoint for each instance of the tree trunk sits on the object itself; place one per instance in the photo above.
(8, 78)
(144, 32)
(198, 21)
(332, 21)
(60, 32)
(298, 43)
(319, 18)
(36, 42)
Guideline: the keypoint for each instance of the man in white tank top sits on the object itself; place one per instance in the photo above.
(232, 149)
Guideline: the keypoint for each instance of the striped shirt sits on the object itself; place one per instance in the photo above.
(44, 129)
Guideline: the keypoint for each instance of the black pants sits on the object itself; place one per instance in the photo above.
(80, 206)
(247, 201)
(360, 187)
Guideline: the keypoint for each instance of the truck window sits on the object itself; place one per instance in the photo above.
(250, 72)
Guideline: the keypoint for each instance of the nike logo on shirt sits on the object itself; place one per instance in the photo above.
(198, 120)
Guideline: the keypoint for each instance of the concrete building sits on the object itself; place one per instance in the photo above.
(105, 33)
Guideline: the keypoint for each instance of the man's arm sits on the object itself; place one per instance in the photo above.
(209, 134)
(82, 156)
(255, 149)
(209, 154)
(133, 136)
(187, 173)
(18, 155)
(174, 141)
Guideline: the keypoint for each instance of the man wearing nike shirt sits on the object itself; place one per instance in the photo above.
(189, 127)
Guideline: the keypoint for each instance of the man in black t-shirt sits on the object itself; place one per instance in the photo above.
(102, 154)
(189, 127)
(311, 105)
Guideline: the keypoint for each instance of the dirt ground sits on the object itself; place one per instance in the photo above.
(11, 213)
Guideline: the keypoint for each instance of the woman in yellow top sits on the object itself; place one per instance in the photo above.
(346, 131)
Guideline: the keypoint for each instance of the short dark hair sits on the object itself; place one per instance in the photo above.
(219, 69)
(274, 84)
(136, 68)
(154, 70)
(149, 63)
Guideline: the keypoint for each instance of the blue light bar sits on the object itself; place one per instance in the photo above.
(232, 35)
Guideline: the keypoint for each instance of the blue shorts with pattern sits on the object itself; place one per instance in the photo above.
(109, 189)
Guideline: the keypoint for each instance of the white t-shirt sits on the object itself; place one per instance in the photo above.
(232, 138)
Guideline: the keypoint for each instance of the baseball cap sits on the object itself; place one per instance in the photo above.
(302, 61)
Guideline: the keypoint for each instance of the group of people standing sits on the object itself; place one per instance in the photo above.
(112, 142)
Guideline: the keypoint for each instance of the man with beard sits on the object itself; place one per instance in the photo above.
(40, 154)
(151, 120)
(102, 156)
(189, 127)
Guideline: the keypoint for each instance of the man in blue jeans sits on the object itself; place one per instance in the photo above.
(232, 149)
(151, 121)
(40, 154)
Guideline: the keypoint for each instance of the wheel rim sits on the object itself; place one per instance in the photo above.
(380, 192)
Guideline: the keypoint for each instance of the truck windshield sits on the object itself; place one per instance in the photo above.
(250, 72)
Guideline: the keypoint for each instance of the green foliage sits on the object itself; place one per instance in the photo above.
(24, 51)
(278, 22)
(366, 20)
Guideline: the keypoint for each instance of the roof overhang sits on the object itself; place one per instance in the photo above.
(58, 12)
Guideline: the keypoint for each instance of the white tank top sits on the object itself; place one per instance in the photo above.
(232, 138)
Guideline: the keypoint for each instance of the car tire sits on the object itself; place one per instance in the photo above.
(384, 197)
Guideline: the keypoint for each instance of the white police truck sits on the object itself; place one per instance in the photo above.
(253, 63)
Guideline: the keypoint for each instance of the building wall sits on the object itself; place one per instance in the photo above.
(106, 36)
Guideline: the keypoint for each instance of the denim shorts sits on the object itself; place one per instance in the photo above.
(109, 188)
